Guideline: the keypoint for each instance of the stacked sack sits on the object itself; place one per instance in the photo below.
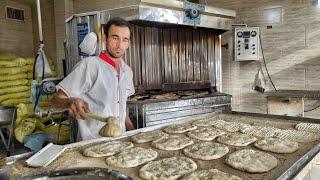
(27, 123)
(15, 78)
(16, 74)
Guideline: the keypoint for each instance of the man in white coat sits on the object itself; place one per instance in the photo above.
(99, 84)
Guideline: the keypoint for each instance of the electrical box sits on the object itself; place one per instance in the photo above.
(246, 43)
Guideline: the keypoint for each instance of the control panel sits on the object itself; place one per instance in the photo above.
(246, 43)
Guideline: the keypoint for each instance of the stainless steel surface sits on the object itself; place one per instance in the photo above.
(288, 174)
(175, 16)
(298, 165)
(275, 117)
(46, 155)
(153, 112)
(171, 12)
(4, 170)
(81, 173)
(134, 132)
(301, 162)
(218, 65)
(7, 116)
(295, 94)
(165, 52)
(179, 4)
(11, 159)
(162, 57)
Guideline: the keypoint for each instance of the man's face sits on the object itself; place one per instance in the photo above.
(117, 41)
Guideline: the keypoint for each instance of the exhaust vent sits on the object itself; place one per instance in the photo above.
(14, 13)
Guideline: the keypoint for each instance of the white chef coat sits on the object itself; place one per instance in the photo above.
(95, 80)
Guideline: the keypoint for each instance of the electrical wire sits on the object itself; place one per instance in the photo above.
(313, 108)
(265, 64)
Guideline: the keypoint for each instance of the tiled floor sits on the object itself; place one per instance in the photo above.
(313, 174)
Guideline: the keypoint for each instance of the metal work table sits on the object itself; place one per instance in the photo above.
(295, 94)
(289, 173)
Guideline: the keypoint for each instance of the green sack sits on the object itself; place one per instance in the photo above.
(13, 89)
(7, 55)
(25, 128)
(15, 70)
(24, 94)
(14, 77)
(14, 102)
(17, 62)
(4, 84)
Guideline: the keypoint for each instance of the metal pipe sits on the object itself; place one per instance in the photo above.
(39, 22)
(218, 64)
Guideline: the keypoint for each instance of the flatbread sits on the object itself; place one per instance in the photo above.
(243, 126)
(132, 157)
(277, 145)
(206, 150)
(252, 161)
(204, 122)
(211, 174)
(236, 139)
(260, 131)
(172, 143)
(310, 127)
(179, 128)
(227, 126)
(148, 136)
(168, 168)
(298, 136)
(205, 134)
(170, 95)
(106, 149)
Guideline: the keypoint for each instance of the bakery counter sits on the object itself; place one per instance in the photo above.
(287, 166)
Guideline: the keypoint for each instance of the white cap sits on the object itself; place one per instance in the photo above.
(89, 44)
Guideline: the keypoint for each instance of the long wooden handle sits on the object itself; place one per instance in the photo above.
(96, 117)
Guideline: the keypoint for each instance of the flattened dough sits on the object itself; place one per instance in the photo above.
(204, 122)
(168, 168)
(227, 126)
(132, 157)
(205, 134)
(236, 139)
(106, 149)
(211, 174)
(172, 143)
(179, 128)
(206, 150)
(298, 136)
(260, 131)
(252, 161)
(277, 145)
(148, 136)
(310, 127)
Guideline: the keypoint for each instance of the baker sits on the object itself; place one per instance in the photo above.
(99, 84)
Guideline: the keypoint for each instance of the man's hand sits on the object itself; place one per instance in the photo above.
(129, 125)
(78, 108)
